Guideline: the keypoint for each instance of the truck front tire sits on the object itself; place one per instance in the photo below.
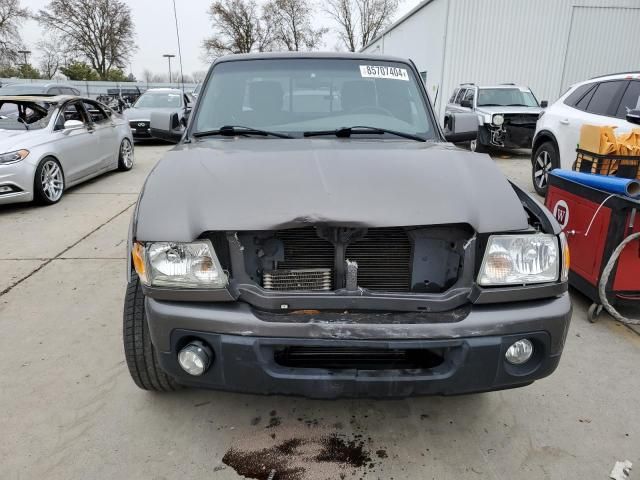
(139, 351)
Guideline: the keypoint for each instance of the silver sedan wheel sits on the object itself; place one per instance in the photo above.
(542, 169)
(52, 180)
(126, 154)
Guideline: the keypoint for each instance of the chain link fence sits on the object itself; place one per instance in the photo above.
(96, 89)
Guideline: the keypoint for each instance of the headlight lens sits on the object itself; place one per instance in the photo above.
(13, 157)
(520, 259)
(180, 265)
(498, 120)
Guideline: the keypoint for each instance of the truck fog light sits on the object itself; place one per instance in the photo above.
(519, 352)
(195, 358)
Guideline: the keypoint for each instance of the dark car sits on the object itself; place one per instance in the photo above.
(169, 100)
(335, 244)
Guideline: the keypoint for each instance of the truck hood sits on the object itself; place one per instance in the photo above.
(503, 110)
(265, 184)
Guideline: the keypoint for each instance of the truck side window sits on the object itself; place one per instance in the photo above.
(460, 95)
(470, 95)
(453, 95)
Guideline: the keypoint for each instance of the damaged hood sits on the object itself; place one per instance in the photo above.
(266, 184)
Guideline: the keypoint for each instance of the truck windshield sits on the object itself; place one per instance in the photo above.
(506, 97)
(293, 96)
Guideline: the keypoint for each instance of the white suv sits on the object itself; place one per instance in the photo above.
(612, 100)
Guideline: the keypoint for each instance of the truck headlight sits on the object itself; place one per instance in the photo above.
(179, 265)
(13, 157)
(520, 260)
(498, 120)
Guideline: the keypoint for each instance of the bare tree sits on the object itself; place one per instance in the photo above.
(360, 21)
(237, 27)
(159, 78)
(102, 31)
(147, 75)
(291, 20)
(53, 55)
(343, 12)
(199, 76)
(374, 16)
(11, 16)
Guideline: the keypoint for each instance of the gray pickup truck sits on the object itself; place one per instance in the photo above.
(507, 114)
(313, 233)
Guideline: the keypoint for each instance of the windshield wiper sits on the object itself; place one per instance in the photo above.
(346, 132)
(516, 105)
(233, 130)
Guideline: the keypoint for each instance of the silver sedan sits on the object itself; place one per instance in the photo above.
(48, 144)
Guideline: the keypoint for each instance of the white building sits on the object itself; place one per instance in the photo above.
(544, 44)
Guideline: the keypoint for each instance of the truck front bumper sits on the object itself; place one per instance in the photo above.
(247, 348)
(509, 136)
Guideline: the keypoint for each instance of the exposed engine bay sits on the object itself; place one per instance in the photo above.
(516, 132)
(323, 258)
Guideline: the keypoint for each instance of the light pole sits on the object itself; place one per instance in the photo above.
(168, 56)
(25, 53)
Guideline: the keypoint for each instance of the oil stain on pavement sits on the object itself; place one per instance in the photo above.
(299, 452)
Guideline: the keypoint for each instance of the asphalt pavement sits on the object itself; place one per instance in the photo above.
(69, 410)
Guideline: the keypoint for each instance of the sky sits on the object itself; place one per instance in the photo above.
(155, 33)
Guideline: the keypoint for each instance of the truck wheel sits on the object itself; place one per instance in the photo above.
(139, 351)
(478, 147)
(545, 159)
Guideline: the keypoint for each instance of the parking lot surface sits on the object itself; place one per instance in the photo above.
(69, 410)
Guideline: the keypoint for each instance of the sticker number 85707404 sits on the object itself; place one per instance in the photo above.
(380, 71)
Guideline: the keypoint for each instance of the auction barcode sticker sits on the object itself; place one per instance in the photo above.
(379, 71)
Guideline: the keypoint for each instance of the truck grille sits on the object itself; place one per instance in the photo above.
(304, 249)
(307, 280)
(521, 119)
(364, 358)
(384, 257)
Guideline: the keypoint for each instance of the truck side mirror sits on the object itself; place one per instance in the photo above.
(461, 127)
(166, 126)
(466, 103)
(633, 116)
(544, 103)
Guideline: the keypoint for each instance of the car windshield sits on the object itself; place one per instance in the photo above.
(21, 90)
(24, 115)
(159, 100)
(293, 96)
(505, 97)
